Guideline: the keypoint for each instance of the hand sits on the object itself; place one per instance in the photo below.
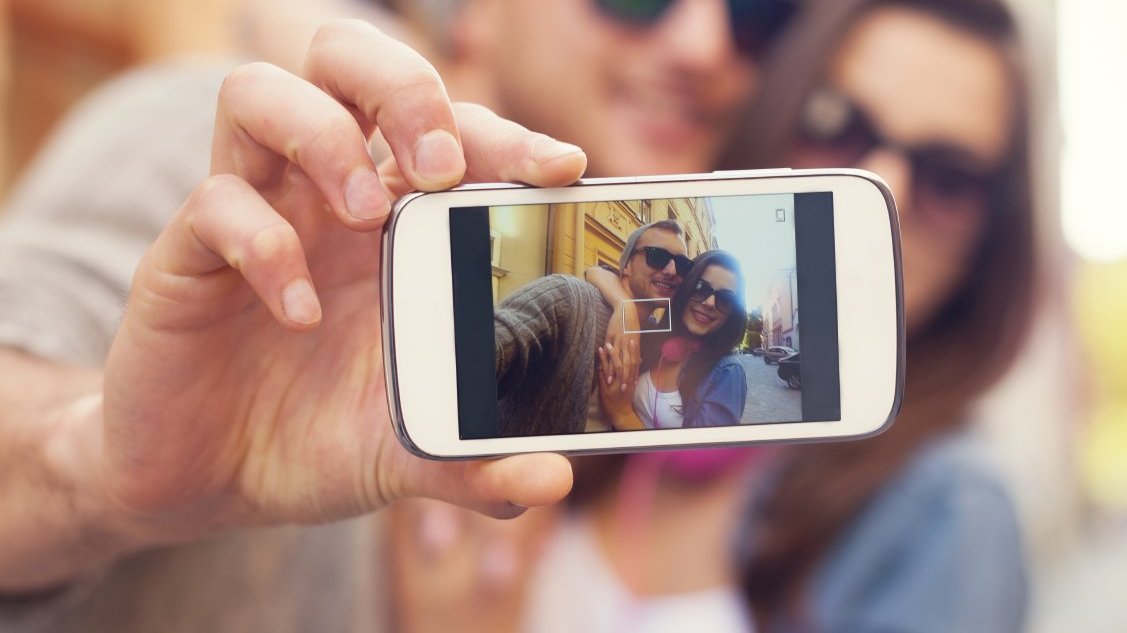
(453, 570)
(616, 400)
(246, 383)
(620, 339)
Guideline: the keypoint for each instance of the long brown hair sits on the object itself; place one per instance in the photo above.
(951, 360)
(718, 343)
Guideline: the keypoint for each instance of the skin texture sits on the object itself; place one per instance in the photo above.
(703, 318)
(959, 99)
(639, 100)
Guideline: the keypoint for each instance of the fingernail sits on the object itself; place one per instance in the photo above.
(438, 158)
(299, 303)
(623, 388)
(364, 195)
(546, 149)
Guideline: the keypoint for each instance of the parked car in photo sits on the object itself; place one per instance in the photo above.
(790, 370)
(775, 352)
(756, 351)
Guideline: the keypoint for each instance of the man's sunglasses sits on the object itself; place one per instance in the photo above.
(840, 134)
(753, 22)
(658, 258)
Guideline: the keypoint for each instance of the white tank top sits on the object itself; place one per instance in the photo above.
(668, 404)
(574, 589)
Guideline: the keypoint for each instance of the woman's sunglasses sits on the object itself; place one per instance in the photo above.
(726, 299)
(658, 258)
(753, 22)
(840, 134)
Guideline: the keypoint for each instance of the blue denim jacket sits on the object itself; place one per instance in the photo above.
(938, 550)
(719, 400)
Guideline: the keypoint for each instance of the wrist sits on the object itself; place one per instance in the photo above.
(57, 532)
(113, 504)
(103, 527)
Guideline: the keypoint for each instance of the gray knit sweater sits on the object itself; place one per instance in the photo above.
(546, 336)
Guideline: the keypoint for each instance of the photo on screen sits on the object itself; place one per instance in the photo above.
(711, 290)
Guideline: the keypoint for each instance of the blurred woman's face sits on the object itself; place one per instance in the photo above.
(927, 105)
(711, 301)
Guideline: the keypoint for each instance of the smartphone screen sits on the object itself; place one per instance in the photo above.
(735, 299)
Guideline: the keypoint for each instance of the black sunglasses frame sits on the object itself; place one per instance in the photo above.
(726, 300)
(854, 135)
(753, 22)
(658, 258)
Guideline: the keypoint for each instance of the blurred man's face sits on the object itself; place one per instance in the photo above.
(640, 99)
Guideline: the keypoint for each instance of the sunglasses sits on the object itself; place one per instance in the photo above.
(839, 133)
(726, 299)
(753, 22)
(658, 258)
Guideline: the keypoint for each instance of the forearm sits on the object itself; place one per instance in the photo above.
(607, 284)
(56, 524)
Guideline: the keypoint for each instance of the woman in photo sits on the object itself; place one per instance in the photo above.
(691, 377)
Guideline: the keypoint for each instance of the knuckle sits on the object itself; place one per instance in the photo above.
(334, 29)
(465, 109)
(331, 132)
(246, 77)
(420, 78)
(273, 242)
(215, 192)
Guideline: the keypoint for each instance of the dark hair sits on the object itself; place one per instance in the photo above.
(951, 360)
(716, 344)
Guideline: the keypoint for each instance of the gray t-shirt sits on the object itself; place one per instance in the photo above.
(74, 230)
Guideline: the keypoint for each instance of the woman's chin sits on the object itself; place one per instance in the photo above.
(696, 330)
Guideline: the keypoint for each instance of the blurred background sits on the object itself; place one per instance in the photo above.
(1058, 423)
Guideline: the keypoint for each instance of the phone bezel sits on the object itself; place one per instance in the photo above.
(418, 317)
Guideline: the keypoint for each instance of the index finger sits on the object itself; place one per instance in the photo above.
(387, 84)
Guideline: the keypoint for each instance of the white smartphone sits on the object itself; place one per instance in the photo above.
(763, 306)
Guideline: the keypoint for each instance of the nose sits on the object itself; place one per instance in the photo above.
(895, 168)
(710, 301)
(697, 33)
(670, 269)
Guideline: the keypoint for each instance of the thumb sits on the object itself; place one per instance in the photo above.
(501, 488)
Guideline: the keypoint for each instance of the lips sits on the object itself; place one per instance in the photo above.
(664, 288)
(703, 318)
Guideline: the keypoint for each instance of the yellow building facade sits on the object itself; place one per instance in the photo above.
(530, 241)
